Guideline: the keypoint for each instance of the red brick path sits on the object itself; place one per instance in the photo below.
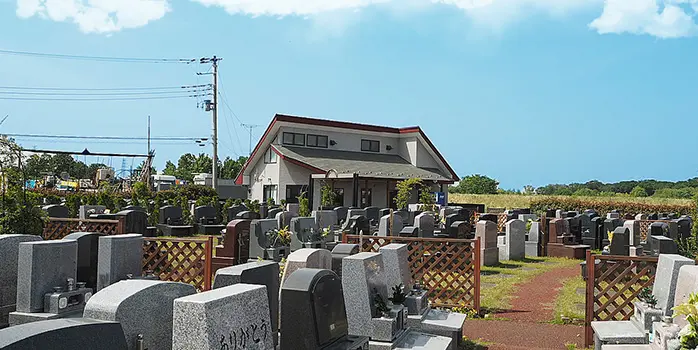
(524, 329)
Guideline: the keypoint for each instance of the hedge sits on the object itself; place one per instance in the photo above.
(604, 206)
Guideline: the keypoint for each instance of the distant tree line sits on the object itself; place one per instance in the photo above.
(480, 184)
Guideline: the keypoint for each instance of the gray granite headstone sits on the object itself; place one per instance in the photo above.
(141, 307)
(425, 223)
(384, 228)
(325, 218)
(363, 274)
(686, 284)
(119, 256)
(341, 251)
(222, 318)
(302, 230)
(486, 231)
(283, 218)
(620, 244)
(633, 227)
(264, 273)
(40, 267)
(395, 257)
(665, 280)
(9, 251)
(341, 213)
(258, 236)
(515, 246)
(372, 213)
(307, 258)
(64, 334)
(88, 246)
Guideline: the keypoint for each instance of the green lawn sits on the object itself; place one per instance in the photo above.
(499, 283)
(569, 306)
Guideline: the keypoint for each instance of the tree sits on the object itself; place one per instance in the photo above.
(528, 190)
(170, 169)
(231, 168)
(139, 168)
(638, 191)
(21, 213)
(404, 191)
(477, 184)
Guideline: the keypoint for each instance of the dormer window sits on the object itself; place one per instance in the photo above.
(370, 145)
(270, 156)
(293, 139)
(317, 141)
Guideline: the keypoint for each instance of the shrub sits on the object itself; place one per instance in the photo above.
(638, 191)
(604, 206)
(303, 205)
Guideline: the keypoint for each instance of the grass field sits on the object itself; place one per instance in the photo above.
(569, 306)
(520, 201)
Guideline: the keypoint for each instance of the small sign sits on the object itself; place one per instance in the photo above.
(440, 198)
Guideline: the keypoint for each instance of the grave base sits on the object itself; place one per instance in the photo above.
(176, 231)
(18, 318)
(532, 248)
(617, 332)
(628, 347)
(489, 257)
(577, 251)
(209, 229)
(442, 323)
(5, 315)
(349, 343)
(412, 340)
(151, 231)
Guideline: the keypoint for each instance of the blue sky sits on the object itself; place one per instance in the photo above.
(525, 91)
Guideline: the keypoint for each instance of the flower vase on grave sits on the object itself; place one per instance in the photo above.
(645, 314)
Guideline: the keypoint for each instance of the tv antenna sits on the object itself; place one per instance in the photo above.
(250, 127)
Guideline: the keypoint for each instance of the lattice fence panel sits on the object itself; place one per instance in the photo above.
(449, 268)
(179, 260)
(645, 227)
(614, 285)
(56, 228)
(501, 222)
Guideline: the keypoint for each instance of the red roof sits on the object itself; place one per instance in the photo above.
(344, 125)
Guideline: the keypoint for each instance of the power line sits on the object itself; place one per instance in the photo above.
(44, 93)
(162, 138)
(101, 99)
(101, 58)
(107, 89)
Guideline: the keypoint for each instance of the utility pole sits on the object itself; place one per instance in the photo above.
(148, 161)
(214, 108)
(250, 127)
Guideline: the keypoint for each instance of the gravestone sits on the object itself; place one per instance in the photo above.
(557, 229)
(686, 284)
(386, 229)
(9, 251)
(425, 223)
(236, 241)
(305, 234)
(207, 220)
(64, 334)
(170, 222)
(450, 219)
(354, 212)
(57, 211)
(141, 307)
(589, 231)
(341, 214)
(489, 252)
(341, 251)
(362, 274)
(264, 273)
(533, 242)
(314, 316)
(633, 227)
(662, 245)
(597, 224)
(372, 214)
(248, 215)
(233, 211)
(515, 245)
(325, 218)
(620, 244)
(120, 256)
(283, 218)
(259, 240)
(684, 227)
(136, 221)
(665, 279)
(659, 229)
(307, 258)
(355, 224)
(88, 247)
(226, 317)
(489, 217)
(272, 213)
(85, 211)
(383, 212)
(609, 225)
(293, 208)
(641, 217)
(134, 207)
(460, 229)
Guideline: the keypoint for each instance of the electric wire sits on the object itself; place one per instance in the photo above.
(103, 58)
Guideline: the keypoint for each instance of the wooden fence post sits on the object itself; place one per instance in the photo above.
(208, 267)
(589, 314)
(121, 226)
(476, 262)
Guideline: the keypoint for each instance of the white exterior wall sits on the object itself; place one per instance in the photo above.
(264, 174)
(291, 174)
(424, 159)
(346, 141)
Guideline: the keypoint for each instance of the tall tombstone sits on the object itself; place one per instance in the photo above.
(620, 244)
(227, 317)
(85, 211)
(307, 258)
(265, 273)
(303, 232)
(283, 218)
(662, 245)
(684, 226)
(515, 246)
(601, 234)
(64, 334)
(259, 241)
(142, 307)
(272, 213)
(341, 251)
(486, 231)
(386, 228)
(588, 231)
(609, 225)
(120, 256)
(248, 215)
(532, 245)
(673, 230)
(314, 315)
(325, 218)
(88, 246)
(362, 276)
(633, 227)
(425, 224)
(57, 211)
(206, 214)
(686, 284)
(236, 242)
(556, 229)
(341, 213)
(372, 214)
(136, 221)
(41, 266)
(665, 279)
(9, 251)
(233, 211)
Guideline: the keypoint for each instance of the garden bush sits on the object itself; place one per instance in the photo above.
(606, 205)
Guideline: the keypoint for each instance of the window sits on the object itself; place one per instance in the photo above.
(370, 145)
(293, 191)
(269, 192)
(366, 197)
(270, 156)
(291, 138)
(339, 197)
(317, 141)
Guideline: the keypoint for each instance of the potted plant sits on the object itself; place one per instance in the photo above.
(399, 295)
(327, 234)
(280, 240)
(382, 308)
(688, 336)
(648, 298)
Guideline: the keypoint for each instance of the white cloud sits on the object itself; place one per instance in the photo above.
(672, 20)
(96, 16)
(659, 18)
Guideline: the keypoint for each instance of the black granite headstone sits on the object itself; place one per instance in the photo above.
(64, 334)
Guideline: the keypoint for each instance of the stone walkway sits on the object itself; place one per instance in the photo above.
(525, 327)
